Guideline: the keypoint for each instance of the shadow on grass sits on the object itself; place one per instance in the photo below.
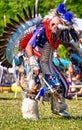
(75, 117)
(66, 118)
(3, 98)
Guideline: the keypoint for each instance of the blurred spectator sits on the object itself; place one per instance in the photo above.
(61, 63)
(80, 43)
(74, 73)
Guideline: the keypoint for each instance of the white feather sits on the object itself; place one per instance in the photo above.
(65, 1)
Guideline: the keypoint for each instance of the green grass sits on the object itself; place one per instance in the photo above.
(11, 116)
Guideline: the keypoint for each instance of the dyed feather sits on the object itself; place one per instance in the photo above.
(29, 11)
(20, 19)
(11, 26)
(7, 34)
(25, 14)
(15, 22)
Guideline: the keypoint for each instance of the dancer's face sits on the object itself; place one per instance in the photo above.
(54, 23)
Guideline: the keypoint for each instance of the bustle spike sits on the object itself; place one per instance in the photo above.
(25, 14)
(15, 22)
(11, 26)
(20, 19)
(29, 11)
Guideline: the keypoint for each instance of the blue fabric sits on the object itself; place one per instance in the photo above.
(63, 61)
(52, 79)
(26, 69)
(76, 59)
(61, 8)
(41, 93)
(6, 85)
(68, 17)
(77, 70)
(17, 61)
(38, 38)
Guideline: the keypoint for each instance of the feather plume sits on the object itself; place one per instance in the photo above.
(5, 62)
(15, 22)
(3, 58)
(25, 14)
(2, 47)
(4, 37)
(36, 6)
(7, 29)
(11, 26)
(20, 19)
(34, 12)
(3, 42)
(7, 34)
(29, 11)
(65, 1)
(2, 50)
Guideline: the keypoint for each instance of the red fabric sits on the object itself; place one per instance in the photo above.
(25, 40)
(57, 56)
(46, 26)
(24, 43)
(36, 53)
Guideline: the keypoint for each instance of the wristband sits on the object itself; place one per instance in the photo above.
(34, 63)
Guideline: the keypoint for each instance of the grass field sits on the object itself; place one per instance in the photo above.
(11, 117)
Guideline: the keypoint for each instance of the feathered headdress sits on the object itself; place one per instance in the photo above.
(61, 9)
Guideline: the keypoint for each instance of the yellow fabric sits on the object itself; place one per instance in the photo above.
(15, 88)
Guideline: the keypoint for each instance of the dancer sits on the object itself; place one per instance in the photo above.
(41, 37)
(45, 37)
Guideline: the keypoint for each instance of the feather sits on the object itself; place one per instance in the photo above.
(11, 26)
(3, 58)
(15, 22)
(2, 50)
(1, 47)
(4, 37)
(36, 6)
(20, 19)
(1, 53)
(6, 64)
(73, 34)
(10, 30)
(65, 1)
(25, 14)
(34, 12)
(7, 29)
(7, 34)
(29, 11)
(3, 42)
